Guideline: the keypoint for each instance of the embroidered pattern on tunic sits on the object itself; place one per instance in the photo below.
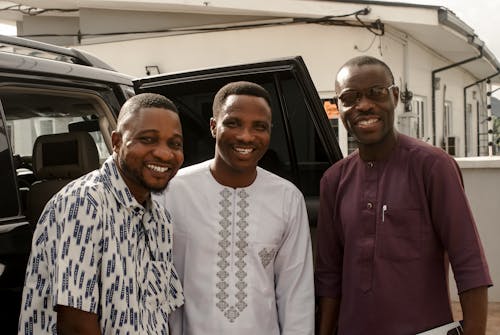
(266, 256)
(231, 312)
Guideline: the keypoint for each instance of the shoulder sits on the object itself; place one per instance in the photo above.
(420, 153)
(274, 183)
(184, 182)
(90, 184)
(76, 203)
(191, 172)
(340, 167)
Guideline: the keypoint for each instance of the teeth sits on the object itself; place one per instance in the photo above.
(157, 168)
(243, 151)
(367, 122)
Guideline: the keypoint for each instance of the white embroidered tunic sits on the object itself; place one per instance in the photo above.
(243, 255)
(95, 248)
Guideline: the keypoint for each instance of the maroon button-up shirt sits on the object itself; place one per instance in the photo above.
(385, 229)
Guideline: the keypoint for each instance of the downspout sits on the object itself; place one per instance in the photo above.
(433, 83)
(465, 102)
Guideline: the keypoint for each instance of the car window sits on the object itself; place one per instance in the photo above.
(8, 195)
(34, 111)
(312, 159)
(32, 114)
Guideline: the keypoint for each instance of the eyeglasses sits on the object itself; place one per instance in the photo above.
(350, 98)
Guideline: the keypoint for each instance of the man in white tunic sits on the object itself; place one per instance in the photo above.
(101, 259)
(242, 244)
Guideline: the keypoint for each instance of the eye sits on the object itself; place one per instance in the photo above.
(261, 127)
(177, 145)
(146, 139)
(230, 123)
(349, 98)
(377, 92)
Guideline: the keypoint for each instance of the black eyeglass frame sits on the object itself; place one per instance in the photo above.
(337, 100)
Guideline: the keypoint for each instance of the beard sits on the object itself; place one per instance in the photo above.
(136, 176)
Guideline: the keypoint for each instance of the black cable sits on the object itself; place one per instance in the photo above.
(329, 19)
(378, 24)
(33, 11)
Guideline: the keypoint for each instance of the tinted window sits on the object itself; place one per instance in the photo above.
(312, 160)
(8, 193)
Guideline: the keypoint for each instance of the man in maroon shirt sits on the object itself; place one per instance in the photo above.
(391, 215)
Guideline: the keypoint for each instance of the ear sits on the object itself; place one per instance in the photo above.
(116, 140)
(213, 126)
(395, 94)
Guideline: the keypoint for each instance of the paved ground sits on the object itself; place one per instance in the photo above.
(493, 326)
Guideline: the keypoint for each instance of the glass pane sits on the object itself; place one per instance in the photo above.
(30, 113)
(8, 195)
(312, 159)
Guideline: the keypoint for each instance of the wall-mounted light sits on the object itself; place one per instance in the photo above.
(437, 83)
(152, 70)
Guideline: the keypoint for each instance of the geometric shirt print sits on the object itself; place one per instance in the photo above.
(230, 215)
(95, 248)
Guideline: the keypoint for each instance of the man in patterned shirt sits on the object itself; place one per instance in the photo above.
(101, 260)
(242, 244)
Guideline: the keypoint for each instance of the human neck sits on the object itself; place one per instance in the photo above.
(378, 151)
(232, 178)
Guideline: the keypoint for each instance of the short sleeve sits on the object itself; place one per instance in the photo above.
(75, 253)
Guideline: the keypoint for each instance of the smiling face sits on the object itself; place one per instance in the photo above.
(148, 150)
(370, 122)
(242, 130)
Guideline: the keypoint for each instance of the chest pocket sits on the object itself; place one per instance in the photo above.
(401, 234)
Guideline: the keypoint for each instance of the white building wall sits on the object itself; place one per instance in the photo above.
(482, 179)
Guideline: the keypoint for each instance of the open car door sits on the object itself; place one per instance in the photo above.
(303, 144)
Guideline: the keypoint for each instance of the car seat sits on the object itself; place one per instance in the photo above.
(57, 160)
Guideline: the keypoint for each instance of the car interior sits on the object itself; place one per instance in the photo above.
(56, 136)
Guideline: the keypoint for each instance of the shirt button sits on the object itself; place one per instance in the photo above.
(370, 164)
(369, 205)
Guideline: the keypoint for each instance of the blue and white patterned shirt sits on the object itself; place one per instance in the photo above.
(95, 248)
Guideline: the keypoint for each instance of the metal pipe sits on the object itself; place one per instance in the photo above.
(434, 89)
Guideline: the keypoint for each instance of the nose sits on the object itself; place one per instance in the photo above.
(163, 152)
(246, 134)
(364, 103)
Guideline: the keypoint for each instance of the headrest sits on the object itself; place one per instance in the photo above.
(65, 155)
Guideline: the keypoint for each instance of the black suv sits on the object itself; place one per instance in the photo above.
(45, 90)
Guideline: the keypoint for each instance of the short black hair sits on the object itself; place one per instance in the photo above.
(144, 100)
(366, 60)
(239, 88)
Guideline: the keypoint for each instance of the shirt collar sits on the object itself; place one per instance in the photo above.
(114, 182)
